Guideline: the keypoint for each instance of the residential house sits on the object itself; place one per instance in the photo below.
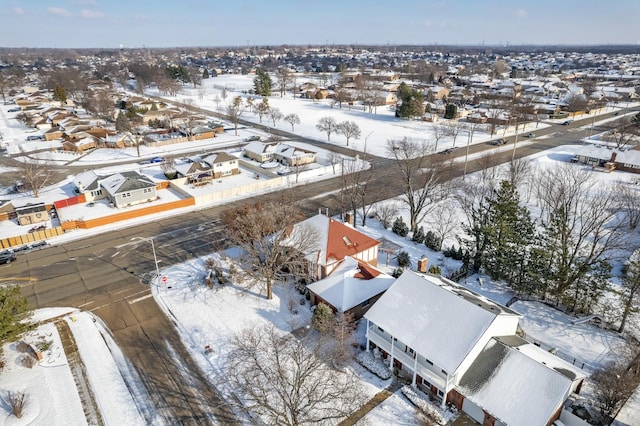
(462, 348)
(200, 171)
(336, 241)
(289, 155)
(222, 164)
(353, 287)
(32, 213)
(611, 159)
(128, 188)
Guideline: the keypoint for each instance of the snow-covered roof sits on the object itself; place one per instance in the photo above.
(351, 283)
(439, 319)
(513, 387)
(86, 181)
(125, 181)
(622, 156)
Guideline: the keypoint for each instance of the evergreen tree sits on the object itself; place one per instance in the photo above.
(122, 123)
(403, 259)
(322, 318)
(205, 74)
(399, 227)
(262, 83)
(418, 236)
(410, 102)
(510, 233)
(432, 241)
(450, 111)
(14, 312)
(59, 94)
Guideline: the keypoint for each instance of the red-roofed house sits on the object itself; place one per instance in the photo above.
(337, 241)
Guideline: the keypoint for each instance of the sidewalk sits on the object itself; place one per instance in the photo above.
(376, 400)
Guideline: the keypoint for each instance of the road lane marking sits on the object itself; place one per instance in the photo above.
(139, 299)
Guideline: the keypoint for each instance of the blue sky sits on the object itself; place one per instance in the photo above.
(161, 23)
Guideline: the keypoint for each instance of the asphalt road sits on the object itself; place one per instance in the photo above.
(108, 274)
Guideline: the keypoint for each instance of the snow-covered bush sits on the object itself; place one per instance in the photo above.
(373, 364)
(421, 401)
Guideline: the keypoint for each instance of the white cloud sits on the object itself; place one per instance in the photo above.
(521, 13)
(85, 2)
(58, 11)
(91, 14)
(18, 10)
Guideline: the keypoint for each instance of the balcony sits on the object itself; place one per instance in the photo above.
(432, 373)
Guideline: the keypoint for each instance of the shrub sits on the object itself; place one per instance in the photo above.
(397, 272)
(418, 236)
(44, 345)
(432, 241)
(436, 270)
(27, 360)
(22, 347)
(17, 401)
(400, 228)
(403, 259)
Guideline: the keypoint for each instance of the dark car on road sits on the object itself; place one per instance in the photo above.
(7, 257)
(499, 142)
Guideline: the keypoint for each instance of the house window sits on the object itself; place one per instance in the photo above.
(410, 350)
(38, 215)
(444, 372)
(380, 328)
(428, 362)
(440, 393)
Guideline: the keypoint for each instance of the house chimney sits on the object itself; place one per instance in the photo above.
(348, 218)
(319, 210)
(326, 211)
(613, 157)
(422, 264)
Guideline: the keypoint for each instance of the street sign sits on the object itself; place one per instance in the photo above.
(164, 279)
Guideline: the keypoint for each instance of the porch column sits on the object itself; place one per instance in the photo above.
(367, 335)
(391, 355)
(415, 367)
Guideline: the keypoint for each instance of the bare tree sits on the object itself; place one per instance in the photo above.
(271, 249)
(613, 386)
(334, 158)
(386, 213)
(583, 225)
(36, 173)
(440, 131)
(420, 176)
(327, 125)
(283, 76)
(276, 115)
(519, 172)
(576, 102)
(292, 119)
(234, 111)
(358, 187)
(343, 328)
(290, 381)
(441, 221)
(349, 129)
(454, 128)
(630, 289)
(341, 96)
(263, 108)
(629, 198)
(623, 133)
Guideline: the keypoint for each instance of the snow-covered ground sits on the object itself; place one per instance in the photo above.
(52, 396)
(210, 317)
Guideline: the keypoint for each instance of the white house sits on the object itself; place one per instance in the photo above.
(463, 348)
(433, 329)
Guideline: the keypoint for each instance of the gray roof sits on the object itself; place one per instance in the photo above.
(124, 182)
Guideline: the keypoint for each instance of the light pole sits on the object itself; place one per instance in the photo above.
(515, 142)
(466, 156)
(153, 249)
(365, 140)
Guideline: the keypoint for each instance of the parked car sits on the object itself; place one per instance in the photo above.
(7, 257)
(14, 110)
(566, 123)
(156, 160)
(34, 138)
(499, 142)
(447, 151)
(252, 138)
(531, 135)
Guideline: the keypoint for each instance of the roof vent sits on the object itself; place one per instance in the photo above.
(346, 240)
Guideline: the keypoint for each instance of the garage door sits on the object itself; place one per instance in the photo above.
(473, 411)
